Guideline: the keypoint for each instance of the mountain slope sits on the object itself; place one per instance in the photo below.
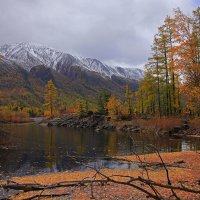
(29, 55)
(26, 68)
(76, 82)
(21, 87)
(18, 86)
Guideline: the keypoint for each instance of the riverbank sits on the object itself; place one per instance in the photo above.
(183, 168)
(172, 126)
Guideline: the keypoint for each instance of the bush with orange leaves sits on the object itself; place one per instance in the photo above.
(47, 113)
(71, 110)
(114, 107)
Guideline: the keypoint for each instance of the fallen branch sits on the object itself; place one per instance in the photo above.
(141, 183)
(46, 196)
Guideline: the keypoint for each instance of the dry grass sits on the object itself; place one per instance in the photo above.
(160, 123)
(153, 124)
(194, 123)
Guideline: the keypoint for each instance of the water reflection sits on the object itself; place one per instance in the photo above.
(31, 149)
(51, 156)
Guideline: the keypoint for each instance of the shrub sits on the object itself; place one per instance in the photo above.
(7, 115)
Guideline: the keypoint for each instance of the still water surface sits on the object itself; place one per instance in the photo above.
(32, 149)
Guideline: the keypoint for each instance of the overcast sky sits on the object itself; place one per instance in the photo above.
(113, 31)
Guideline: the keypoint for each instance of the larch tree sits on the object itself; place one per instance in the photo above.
(50, 96)
(114, 107)
(129, 99)
(188, 57)
(102, 100)
(154, 65)
(172, 74)
(146, 95)
(82, 106)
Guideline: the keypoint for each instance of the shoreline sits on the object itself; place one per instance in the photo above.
(181, 128)
(185, 166)
(175, 127)
(150, 157)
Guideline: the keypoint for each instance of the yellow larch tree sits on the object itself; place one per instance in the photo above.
(114, 107)
(50, 96)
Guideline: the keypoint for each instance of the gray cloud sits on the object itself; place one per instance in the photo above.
(114, 31)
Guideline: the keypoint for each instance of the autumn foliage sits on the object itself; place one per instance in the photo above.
(50, 98)
(171, 84)
(11, 114)
(114, 107)
(81, 106)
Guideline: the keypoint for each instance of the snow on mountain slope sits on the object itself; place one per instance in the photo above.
(4, 62)
(29, 55)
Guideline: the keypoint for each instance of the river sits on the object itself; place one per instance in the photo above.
(30, 149)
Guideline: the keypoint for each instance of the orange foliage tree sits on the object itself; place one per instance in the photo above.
(114, 107)
(187, 51)
(172, 77)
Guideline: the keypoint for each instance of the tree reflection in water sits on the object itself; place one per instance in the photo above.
(33, 149)
(51, 154)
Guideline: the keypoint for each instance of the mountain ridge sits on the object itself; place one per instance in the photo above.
(31, 54)
(25, 70)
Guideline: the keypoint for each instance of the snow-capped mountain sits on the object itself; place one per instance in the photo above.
(26, 68)
(29, 55)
